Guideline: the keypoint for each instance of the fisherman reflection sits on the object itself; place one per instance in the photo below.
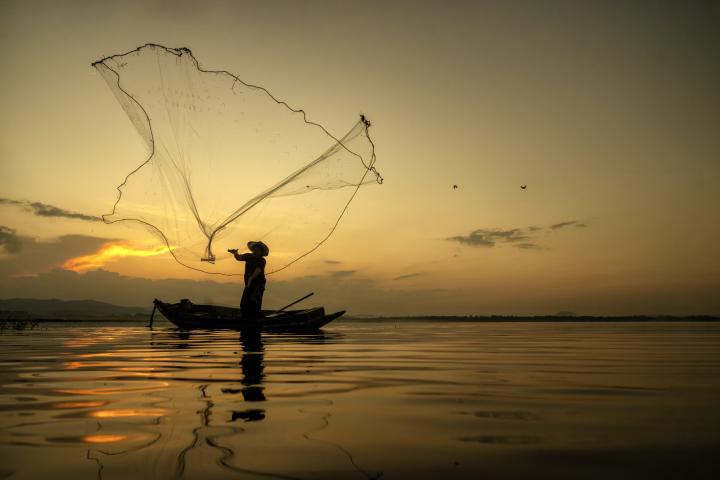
(252, 367)
(184, 338)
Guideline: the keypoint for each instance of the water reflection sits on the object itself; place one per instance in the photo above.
(206, 434)
(209, 434)
(426, 400)
(252, 367)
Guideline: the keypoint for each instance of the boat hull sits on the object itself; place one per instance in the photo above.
(189, 316)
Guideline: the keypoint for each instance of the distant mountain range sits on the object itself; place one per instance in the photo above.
(53, 309)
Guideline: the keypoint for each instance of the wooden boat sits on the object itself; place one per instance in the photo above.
(190, 316)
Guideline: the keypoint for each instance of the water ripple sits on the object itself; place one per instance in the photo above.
(108, 399)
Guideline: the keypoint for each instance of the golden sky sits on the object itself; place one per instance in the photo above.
(607, 111)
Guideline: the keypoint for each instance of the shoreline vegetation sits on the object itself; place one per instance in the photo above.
(28, 313)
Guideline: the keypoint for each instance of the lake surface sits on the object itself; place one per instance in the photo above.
(391, 400)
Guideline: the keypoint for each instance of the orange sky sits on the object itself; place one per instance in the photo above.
(608, 112)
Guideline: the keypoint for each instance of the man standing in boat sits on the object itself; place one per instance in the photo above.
(251, 302)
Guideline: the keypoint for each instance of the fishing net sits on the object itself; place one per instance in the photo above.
(227, 162)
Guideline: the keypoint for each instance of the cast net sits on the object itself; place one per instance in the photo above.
(227, 162)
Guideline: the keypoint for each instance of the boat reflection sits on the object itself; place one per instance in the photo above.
(181, 339)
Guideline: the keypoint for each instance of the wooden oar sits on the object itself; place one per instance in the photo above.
(296, 301)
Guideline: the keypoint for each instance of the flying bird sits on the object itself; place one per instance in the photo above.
(454, 187)
(523, 187)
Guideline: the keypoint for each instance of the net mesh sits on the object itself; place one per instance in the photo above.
(227, 162)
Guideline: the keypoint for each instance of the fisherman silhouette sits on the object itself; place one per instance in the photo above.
(251, 302)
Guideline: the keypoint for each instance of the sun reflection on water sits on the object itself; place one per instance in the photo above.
(107, 438)
(131, 412)
(112, 390)
(79, 404)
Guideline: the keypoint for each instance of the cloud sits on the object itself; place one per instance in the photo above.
(36, 272)
(9, 240)
(44, 210)
(573, 223)
(343, 273)
(528, 246)
(523, 238)
(410, 275)
(356, 295)
(36, 256)
(333, 262)
(489, 238)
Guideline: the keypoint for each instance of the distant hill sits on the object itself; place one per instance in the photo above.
(68, 310)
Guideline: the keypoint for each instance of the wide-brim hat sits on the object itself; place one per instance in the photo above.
(264, 250)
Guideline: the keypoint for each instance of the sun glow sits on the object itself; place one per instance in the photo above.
(109, 252)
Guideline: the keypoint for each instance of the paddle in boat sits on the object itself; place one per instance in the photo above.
(190, 316)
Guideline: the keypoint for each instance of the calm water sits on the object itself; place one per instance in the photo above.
(399, 400)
